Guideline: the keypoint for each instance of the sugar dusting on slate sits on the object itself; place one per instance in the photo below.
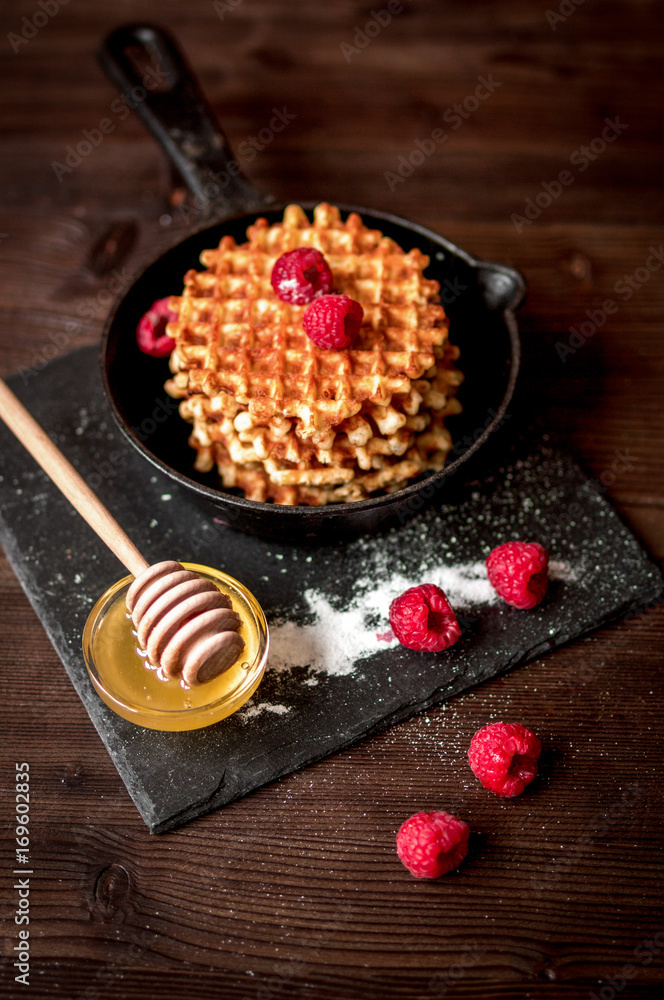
(334, 640)
(251, 710)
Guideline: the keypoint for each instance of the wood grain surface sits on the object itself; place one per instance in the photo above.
(296, 891)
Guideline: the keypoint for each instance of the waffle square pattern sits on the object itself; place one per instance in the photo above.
(287, 421)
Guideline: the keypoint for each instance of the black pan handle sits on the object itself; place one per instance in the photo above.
(170, 103)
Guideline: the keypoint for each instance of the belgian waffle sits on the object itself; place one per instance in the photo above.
(283, 419)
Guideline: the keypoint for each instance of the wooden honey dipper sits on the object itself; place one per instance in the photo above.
(184, 622)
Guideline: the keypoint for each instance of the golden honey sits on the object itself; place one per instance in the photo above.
(129, 684)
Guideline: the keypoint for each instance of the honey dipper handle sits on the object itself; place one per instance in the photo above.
(68, 480)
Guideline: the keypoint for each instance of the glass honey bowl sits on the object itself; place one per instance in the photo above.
(138, 691)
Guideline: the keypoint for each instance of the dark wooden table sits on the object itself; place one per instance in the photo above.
(295, 891)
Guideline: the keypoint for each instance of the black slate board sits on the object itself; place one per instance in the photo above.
(335, 691)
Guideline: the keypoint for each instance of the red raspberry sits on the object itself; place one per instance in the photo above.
(519, 572)
(151, 335)
(300, 275)
(431, 844)
(422, 618)
(503, 755)
(332, 321)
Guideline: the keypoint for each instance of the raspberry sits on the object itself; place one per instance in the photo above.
(422, 618)
(519, 572)
(332, 321)
(151, 335)
(431, 844)
(503, 756)
(300, 275)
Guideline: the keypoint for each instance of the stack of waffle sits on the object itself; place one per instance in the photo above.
(285, 420)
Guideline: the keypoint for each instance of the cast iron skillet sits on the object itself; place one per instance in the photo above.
(479, 298)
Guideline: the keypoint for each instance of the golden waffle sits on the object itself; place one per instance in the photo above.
(285, 420)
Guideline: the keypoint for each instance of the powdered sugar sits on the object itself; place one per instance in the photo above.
(332, 643)
(334, 640)
(562, 571)
(251, 710)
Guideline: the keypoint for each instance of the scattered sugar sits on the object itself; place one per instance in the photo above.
(334, 640)
(251, 710)
(84, 420)
(562, 571)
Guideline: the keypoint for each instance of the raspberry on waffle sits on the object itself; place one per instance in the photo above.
(285, 420)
